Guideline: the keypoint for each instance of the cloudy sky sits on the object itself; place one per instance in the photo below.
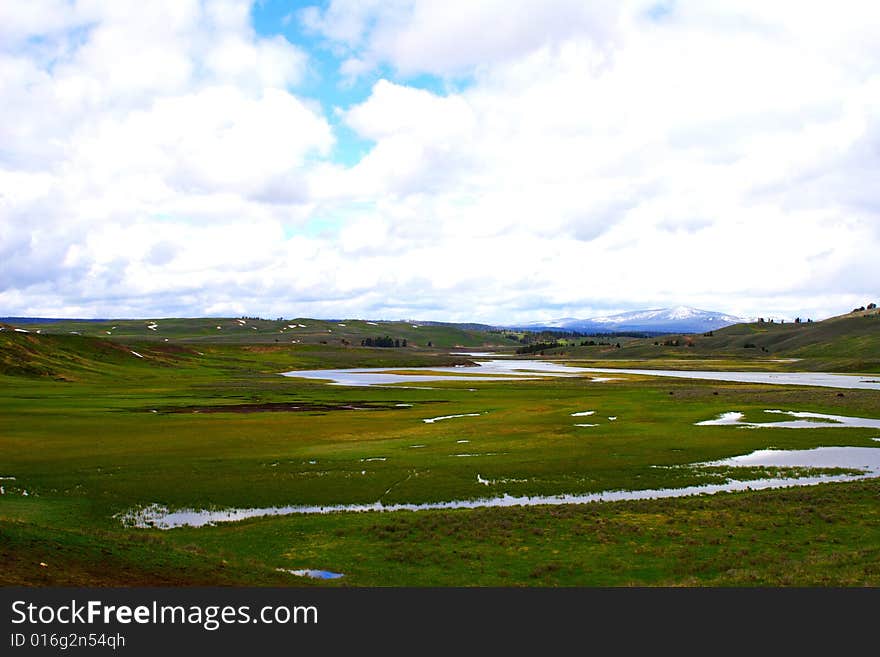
(464, 160)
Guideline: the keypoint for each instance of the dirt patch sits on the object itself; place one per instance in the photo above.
(262, 349)
(173, 349)
(285, 407)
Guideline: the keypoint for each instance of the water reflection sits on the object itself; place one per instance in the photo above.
(864, 459)
(519, 369)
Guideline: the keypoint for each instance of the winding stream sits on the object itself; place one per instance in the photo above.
(864, 459)
(520, 369)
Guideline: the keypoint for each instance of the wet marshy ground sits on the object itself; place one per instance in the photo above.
(287, 407)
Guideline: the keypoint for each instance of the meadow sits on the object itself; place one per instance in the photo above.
(91, 429)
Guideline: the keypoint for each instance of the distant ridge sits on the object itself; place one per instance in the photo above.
(678, 319)
(46, 320)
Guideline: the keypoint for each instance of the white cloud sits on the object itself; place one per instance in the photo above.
(215, 139)
(456, 36)
(158, 158)
(22, 20)
(672, 152)
(126, 125)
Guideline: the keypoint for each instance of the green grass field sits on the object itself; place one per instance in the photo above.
(91, 430)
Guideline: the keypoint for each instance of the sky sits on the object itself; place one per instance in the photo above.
(496, 161)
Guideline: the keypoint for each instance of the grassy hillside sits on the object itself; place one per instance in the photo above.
(225, 330)
(855, 335)
(67, 357)
(849, 342)
(73, 356)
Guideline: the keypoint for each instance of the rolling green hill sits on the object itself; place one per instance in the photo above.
(855, 335)
(76, 357)
(225, 330)
(848, 342)
(72, 356)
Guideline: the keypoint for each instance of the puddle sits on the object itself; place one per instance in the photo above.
(808, 421)
(730, 418)
(432, 420)
(460, 442)
(583, 413)
(403, 387)
(866, 459)
(284, 407)
(314, 574)
(586, 425)
(416, 446)
(493, 482)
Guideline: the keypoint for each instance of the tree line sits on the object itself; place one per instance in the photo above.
(384, 341)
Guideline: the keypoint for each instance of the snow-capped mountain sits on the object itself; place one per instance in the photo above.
(680, 319)
(560, 323)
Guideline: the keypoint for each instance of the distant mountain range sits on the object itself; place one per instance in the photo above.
(681, 319)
